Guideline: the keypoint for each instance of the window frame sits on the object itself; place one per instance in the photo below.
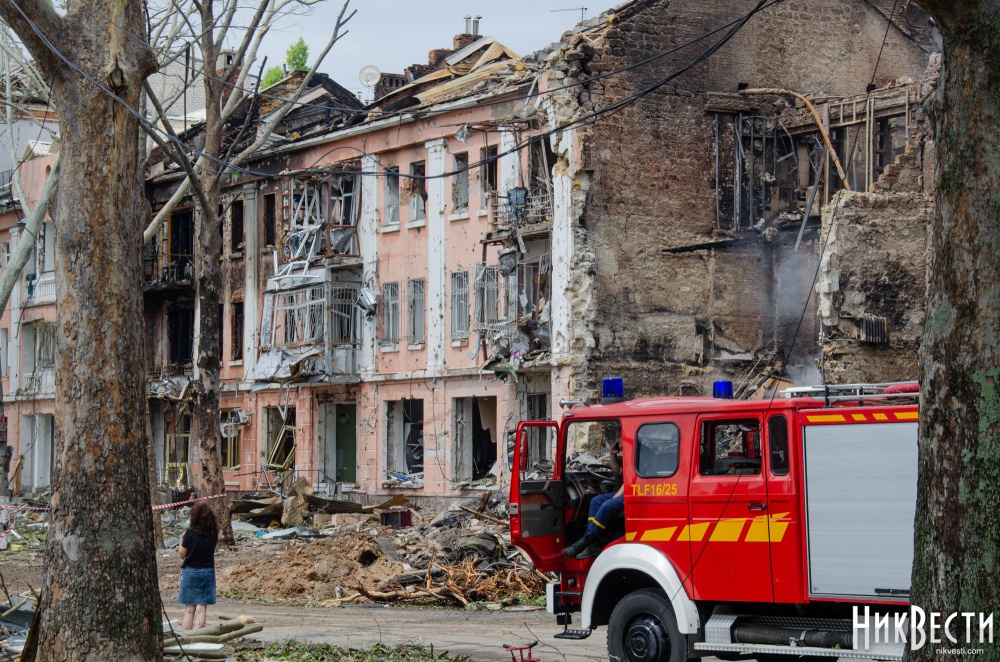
(786, 463)
(460, 323)
(460, 183)
(390, 190)
(416, 311)
(705, 442)
(229, 444)
(637, 447)
(390, 314)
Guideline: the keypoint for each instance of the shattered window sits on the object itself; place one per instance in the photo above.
(236, 346)
(280, 434)
(178, 450)
(418, 192)
(404, 439)
(270, 219)
(496, 306)
(475, 447)
(236, 227)
(533, 295)
(488, 171)
(390, 313)
(730, 448)
(343, 215)
(180, 247)
(45, 346)
(344, 326)
(230, 440)
(459, 305)
(460, 184)
(391, 213)
(416, 310)
(298, 315)
(180, 333)
(308, 216)
(590, 445)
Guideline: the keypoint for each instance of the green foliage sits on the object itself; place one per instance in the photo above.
(272, 76)
(291, 650)
(297, 56)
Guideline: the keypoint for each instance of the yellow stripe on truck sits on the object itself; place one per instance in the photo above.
(728, 530)
(693, 532)
(659, 535)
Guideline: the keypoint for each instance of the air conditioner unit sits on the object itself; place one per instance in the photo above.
(367, 301)
(240, 416)
(228, 429)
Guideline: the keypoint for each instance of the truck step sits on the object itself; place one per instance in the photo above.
(796, 650)
(569, 633)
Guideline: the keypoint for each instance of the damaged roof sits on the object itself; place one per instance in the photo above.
(485, 66)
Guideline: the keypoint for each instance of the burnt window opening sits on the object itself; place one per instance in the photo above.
(180, 334)
(390, 214)
(489, 170)
(418, 192)
(475, 448)
(270, 219)
(280, 435)
(236, 230)
(308, 212)
(180, 249)
(460, 183)
(404, 439)
(236, 332)
(541, 159)
(889, 132)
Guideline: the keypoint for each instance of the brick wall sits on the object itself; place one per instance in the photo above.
(666, 320)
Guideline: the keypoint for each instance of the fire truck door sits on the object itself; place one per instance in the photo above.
(730, 559)
(538, 493)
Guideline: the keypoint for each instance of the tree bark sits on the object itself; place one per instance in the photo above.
(101, 596)
(957, 538)
(208, 277)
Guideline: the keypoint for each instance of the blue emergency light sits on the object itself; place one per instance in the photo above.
(613, 390)
(723, 389)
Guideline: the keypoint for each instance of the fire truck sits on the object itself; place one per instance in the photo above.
(752, 528)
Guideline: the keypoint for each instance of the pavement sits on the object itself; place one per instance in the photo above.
(478, 634)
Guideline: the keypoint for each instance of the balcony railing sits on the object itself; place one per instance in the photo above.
(519, 209)
(172, 269)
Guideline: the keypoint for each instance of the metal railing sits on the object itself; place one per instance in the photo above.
(514, 210)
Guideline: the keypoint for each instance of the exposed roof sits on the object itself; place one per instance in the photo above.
(483, 66)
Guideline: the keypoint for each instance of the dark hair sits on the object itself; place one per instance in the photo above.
(203, 520)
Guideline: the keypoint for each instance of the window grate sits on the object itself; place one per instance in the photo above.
(416, 310)
(460, 305)
(390, 313)
(299, 316)
(344, 325)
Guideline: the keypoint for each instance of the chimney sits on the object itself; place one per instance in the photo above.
(475, 25)
(468, 24)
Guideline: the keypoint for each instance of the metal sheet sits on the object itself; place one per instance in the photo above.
(861, 493)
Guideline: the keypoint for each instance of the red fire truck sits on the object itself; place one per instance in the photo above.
(751, 528)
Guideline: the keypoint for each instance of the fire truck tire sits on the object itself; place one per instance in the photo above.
(643, 628)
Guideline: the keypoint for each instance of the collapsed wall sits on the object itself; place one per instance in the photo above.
(690, 259)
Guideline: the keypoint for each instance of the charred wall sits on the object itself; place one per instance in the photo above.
(680, 318)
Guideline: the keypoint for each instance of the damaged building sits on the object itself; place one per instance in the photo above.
(405, 281)
(703, 210)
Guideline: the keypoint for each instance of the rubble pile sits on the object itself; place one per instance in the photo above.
(461, 556)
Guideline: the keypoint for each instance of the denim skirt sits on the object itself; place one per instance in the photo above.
(197, 586)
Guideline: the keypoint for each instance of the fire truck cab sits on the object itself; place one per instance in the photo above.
(751, 528)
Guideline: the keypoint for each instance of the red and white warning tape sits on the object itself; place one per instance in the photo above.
(157, 507)
(181, 503)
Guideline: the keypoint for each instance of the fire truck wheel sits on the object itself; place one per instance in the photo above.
(643, 629)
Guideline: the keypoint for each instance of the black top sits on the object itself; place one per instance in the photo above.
(200, 550)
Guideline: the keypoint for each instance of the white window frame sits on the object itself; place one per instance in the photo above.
(416, 310)
(298, 316)
(459, 305)
(418, 204)
(390, 314)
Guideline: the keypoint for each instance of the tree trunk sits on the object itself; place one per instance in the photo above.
(101, 597)
(209, 284)
(957, 539)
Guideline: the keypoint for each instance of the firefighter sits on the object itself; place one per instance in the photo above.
(604, 509)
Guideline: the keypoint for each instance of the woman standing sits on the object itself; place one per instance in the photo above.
(197, 548)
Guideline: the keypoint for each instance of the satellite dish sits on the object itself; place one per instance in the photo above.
(369, 75)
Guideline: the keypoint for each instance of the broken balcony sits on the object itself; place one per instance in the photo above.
(512, 314)
(321, 218)
(310, 329)
(521, 208)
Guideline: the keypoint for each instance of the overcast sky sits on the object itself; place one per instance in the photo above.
(393, 34)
